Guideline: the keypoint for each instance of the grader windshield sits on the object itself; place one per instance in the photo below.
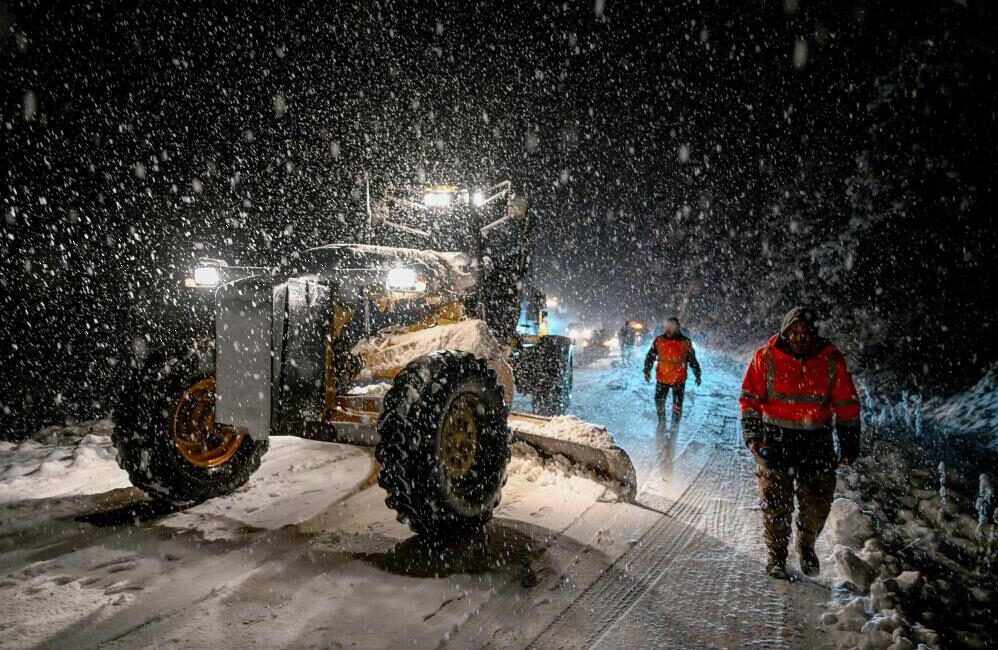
(491, 225)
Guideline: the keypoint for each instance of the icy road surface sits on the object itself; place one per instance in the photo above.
(307, 554)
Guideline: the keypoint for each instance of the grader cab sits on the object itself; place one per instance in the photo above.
(408, 345)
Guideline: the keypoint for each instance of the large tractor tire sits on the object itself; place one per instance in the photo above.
(166, 435)
(444, 444)
(552, 393)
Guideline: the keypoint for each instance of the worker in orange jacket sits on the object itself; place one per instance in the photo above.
(674, 353)
(796, 391)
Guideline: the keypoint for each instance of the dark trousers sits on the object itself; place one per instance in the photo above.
(778, 487)
(800, 464)
(662, 392)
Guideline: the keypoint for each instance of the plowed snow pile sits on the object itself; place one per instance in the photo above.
(571, 429)
(558, 471)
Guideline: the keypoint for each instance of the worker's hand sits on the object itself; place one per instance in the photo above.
(755, 446)
(698, 381)
(847, 460)
(647, 377)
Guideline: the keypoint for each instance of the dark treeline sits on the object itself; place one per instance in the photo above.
(723, 160)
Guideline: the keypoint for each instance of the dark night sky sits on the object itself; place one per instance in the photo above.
(717, 159)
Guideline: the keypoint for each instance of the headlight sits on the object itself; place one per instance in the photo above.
(206, 276)
(404, 279)
(437, 199)
(210, 273)
(478, 198)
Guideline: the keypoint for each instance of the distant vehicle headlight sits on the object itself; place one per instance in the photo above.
(404, 279)
(203, 276)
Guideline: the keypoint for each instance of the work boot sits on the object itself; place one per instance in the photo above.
(776, 566)
(809, 564)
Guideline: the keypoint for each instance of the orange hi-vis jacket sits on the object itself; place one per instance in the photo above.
(783, 390)
(673, 357)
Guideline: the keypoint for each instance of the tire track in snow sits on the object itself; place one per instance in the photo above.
(490, 627)
(513, 617)
(613, 596)
(216, 569)
(683, 585)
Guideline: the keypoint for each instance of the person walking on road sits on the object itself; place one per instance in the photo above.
(626, 338)
(796, 390)
(674, 353)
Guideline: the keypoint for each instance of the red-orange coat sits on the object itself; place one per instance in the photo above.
(788, 392)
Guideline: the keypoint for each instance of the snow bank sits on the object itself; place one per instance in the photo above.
(61, 461)
(973, 411)
(906, 559)
(394, 349)
(848, 525)
(853, 567)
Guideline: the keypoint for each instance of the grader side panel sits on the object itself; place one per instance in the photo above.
(243, 325)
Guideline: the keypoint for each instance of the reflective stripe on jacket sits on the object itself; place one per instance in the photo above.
(803, 394)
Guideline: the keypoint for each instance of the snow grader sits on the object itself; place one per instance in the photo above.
(409, 345)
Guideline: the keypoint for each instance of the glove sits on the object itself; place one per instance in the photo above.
(756, 447)
(698, 381)
(647, 377)
(752, 432)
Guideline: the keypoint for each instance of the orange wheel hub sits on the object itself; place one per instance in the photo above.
(199, 440)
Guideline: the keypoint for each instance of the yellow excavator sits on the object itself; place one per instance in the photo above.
(407, 343)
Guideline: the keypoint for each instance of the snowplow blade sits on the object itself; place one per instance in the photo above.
(584, 444)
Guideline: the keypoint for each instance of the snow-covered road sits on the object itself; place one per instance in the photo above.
(307, 555)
